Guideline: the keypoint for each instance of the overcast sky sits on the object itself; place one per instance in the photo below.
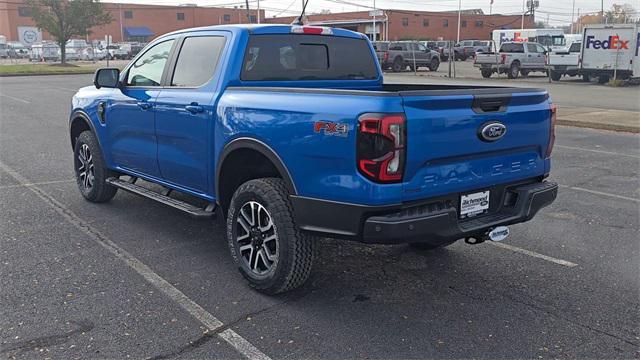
(557, 11)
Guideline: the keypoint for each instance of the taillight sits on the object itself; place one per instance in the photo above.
(552, 129)
(503, 58)
(381, 148)
(386, 56)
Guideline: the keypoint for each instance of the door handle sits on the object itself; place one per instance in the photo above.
(144, 105)
(194, 108)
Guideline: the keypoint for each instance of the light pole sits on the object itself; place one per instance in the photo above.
(522, 24)
(459, 16)
(573, 9)
(374, 20)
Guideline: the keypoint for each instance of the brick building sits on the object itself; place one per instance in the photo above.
(423, 25)
(130, 21)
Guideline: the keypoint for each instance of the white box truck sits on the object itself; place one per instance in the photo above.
(609, 50)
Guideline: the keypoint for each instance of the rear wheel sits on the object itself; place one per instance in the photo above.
(524, 73)
(269, 249)
(398, 65)
(514, 71)
(486, 73)
(434, 64)
(555, 76)
(90, 169)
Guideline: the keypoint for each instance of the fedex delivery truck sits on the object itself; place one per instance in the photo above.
(552, 39)
(609, 50)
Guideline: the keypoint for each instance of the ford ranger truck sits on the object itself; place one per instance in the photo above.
(290, 134)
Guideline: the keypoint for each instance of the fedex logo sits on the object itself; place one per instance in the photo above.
(612, 43)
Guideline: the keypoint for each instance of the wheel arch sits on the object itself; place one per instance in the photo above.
(241, 155)
(79, 122)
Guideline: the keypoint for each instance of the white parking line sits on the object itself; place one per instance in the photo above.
(207, 319)
(533, 254)
(36, 184)
(599, 193)
(597, 151)
(15, 98)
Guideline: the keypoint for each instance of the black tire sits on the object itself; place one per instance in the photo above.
(603, 79)
(486, 73)
(514, 71)
(555, 76)
(524, 73)
(434, 64)
(292, 250)
(398, 65)
(91, 171)
(421, 246)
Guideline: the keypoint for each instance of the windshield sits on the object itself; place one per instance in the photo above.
(575, 47)
(293, 57)
(559, 40)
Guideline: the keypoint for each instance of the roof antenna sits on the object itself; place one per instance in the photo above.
(299, 20)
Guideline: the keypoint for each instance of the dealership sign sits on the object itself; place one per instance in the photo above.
(29, 35)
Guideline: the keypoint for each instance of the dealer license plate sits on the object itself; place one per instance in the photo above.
(474, 204)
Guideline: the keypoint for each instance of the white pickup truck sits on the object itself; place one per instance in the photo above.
(566, 63)
(513, 58)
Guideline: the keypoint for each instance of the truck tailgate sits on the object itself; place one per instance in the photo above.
(446, 152)
(563, 59)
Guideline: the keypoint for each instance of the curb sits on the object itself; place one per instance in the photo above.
(599, 126)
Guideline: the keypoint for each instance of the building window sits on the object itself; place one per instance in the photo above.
(445, 22)
(128, 14)
(24, 11)
(405, 21)
(253, 19)
(425, 22)
(227, 18)
(180, 16)
(479, 23)
(463, 23)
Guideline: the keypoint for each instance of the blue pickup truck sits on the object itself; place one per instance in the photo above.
(290, 133)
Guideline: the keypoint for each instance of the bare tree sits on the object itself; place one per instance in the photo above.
(66, 19)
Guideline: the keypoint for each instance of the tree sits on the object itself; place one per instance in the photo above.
(66, 19)
(620, 14)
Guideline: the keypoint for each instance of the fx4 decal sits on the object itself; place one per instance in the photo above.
(330, 128)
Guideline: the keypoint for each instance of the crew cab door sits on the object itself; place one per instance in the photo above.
(130, 120)
(185, 112)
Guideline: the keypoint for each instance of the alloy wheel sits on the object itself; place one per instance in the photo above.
(256, 238)
(86, 173)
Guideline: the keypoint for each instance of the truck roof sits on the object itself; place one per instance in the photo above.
(267, 29)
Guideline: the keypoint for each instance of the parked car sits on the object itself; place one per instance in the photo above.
(402, 54)
(16, 50)
(254, 123)
(45, 51)
(514, 59)
(4, 51)
(93, 54)
(72, 54)
(566, 63)
(468, 48)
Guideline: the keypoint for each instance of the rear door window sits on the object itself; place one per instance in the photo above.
(512, 48)
(295, 57)
(197, 60)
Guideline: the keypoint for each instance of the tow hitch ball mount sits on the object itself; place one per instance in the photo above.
(498, 233)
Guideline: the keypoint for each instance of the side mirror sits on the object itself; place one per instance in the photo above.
(107, 77)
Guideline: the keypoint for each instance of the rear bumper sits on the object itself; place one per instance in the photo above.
(433, 221)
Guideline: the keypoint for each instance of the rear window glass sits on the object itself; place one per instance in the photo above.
(512, 48)
(575, 47)
(290, 57)
(381, 46)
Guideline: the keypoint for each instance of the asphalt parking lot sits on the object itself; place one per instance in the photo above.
(132, 278)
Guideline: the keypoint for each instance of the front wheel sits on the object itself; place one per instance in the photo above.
(271, 252)
(486, 73)
(91, 171)
(398, 65)
(434, 64)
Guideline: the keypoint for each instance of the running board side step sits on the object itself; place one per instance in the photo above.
(192, 210)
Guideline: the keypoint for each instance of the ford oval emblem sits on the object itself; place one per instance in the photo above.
(492, 131)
